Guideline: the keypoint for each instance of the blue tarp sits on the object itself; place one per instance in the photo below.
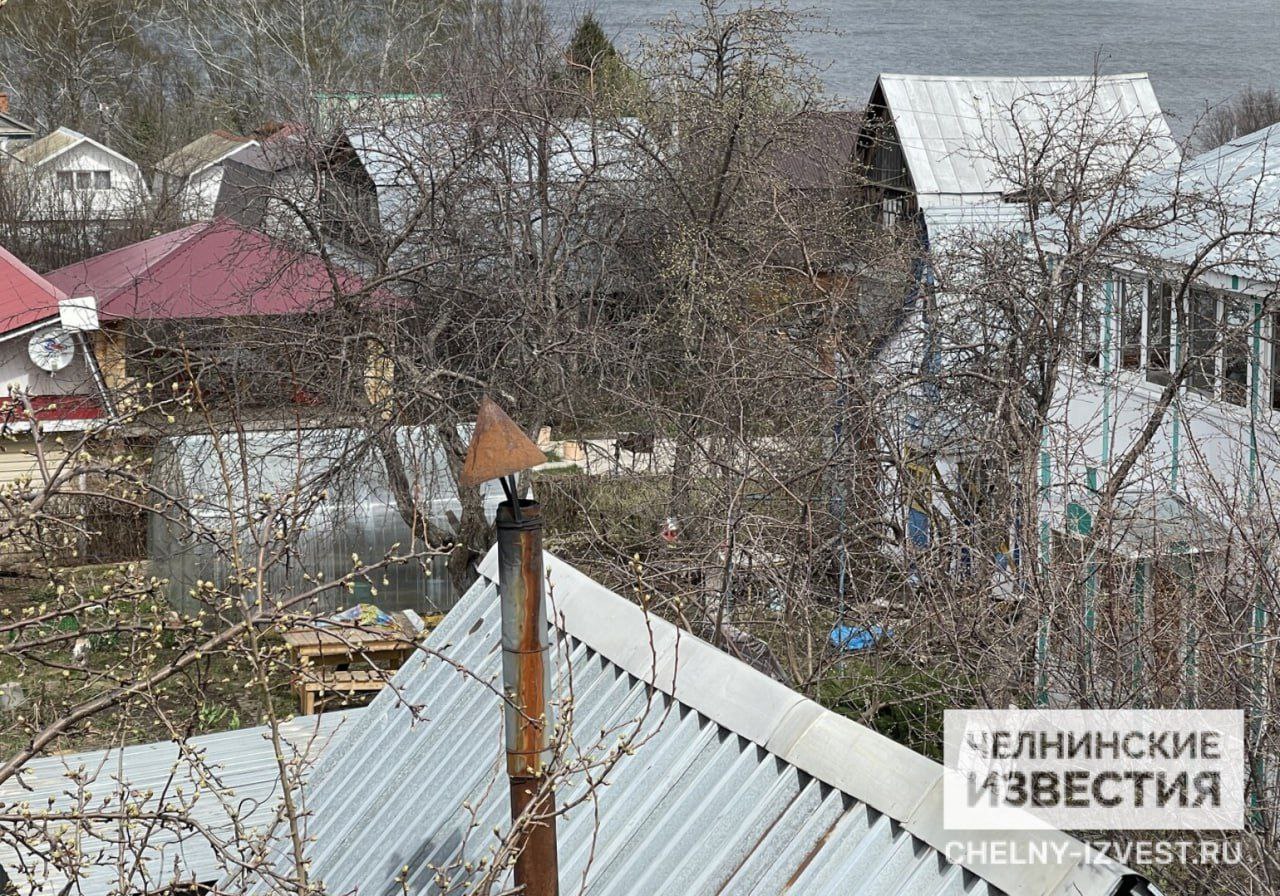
(859, 637)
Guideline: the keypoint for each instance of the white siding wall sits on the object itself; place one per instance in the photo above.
(194, 200)
(1210, 442)
(201, 193)
(16, 370)
(128, 191)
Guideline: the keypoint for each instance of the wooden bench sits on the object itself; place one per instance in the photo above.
(315, 685)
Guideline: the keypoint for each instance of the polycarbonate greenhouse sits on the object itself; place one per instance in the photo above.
(314, 498)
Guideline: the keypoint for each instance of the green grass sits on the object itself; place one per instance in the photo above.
(208, 696)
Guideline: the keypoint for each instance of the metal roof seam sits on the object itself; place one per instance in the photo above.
(904, 785)
(696, 801)
(774, 705)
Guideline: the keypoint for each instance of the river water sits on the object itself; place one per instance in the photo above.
(1196, 51)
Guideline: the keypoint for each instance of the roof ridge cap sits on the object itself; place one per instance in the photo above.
(903, 784)
(1117, 76)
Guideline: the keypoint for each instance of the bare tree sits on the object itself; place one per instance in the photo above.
(1252, 109)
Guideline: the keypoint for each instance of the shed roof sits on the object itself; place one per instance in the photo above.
(203, 152)
(734, 784)
(232, 774)
(950, 128)
(25, 297)
(209, 270)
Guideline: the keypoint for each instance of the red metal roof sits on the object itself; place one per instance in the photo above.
(217, 269)
(25, 296)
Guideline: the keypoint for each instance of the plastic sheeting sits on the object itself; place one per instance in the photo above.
(312, 498)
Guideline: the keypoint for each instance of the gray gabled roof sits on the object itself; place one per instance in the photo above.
(48, 146)
(218, 781)
(203, 152)
(12, 127)
(953, 129)
(729, 782)
(55, 143)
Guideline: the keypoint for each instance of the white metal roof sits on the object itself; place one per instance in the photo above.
(1219, 211)
(1227, 209)
(953, 130)
(734, 784)
(219, 780)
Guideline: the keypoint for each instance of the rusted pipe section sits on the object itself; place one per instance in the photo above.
(526, 681)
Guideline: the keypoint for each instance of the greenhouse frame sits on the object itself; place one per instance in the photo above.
(305, 502)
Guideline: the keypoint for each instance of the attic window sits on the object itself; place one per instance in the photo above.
(84, 180)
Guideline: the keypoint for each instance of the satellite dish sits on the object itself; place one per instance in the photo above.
(52, 349)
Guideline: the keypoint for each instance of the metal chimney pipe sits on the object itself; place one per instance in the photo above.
(526, 681)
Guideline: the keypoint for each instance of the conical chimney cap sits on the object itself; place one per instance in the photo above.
(498, 447)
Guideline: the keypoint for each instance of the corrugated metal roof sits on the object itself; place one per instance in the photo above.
(222, 776)
(953, 129)
(202, 152)
(1219, 210)
(729, 783)
(1228, 202)
(209, 270)
(25, 297)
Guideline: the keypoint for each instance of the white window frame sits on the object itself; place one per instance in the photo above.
(1265, 369)
(75, 175)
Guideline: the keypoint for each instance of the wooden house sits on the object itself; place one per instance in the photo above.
(929, 141)
(75, 178)
(190, 179)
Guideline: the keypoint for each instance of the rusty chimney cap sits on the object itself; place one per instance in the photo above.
(498, 447)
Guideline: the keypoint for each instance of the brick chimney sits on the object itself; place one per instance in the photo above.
(4, 104)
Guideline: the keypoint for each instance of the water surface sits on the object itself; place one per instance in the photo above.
(1196, 51)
